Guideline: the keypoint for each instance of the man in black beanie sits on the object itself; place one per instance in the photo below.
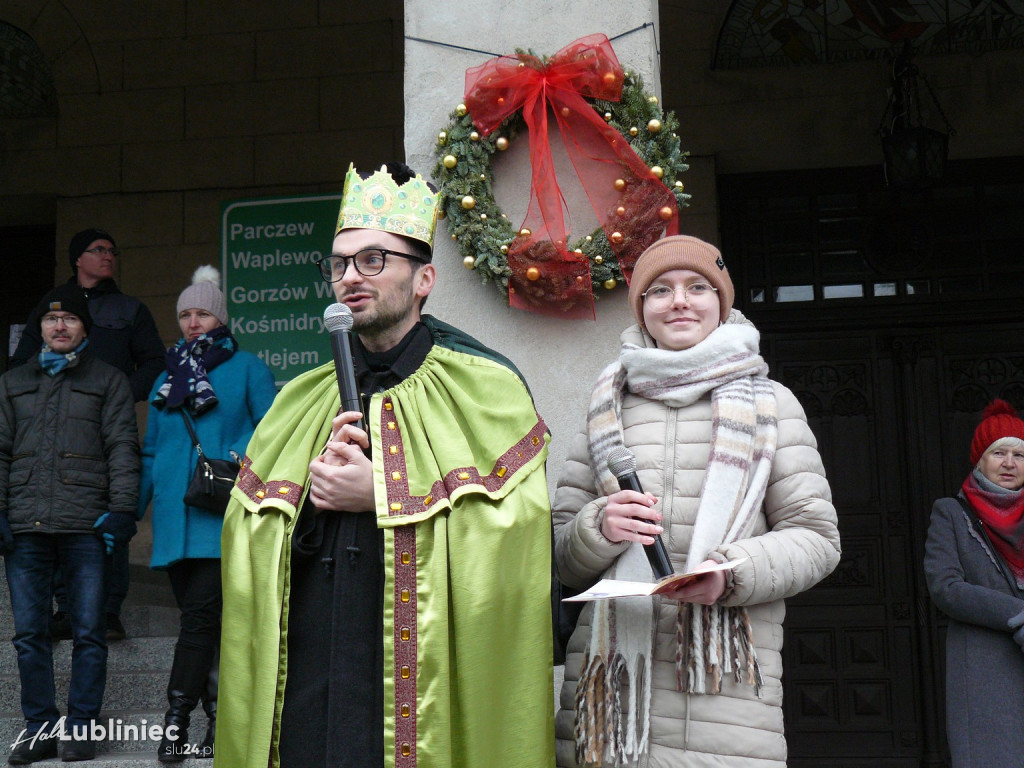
(125, 336)
(69, 485)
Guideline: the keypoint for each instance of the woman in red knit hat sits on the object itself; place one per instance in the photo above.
(974, 565)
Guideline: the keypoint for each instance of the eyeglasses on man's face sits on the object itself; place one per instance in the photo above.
(70, 321)
(99, 250)
(660, 297)
(368, 263)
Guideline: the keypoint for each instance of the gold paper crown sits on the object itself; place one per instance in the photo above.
(377, 202)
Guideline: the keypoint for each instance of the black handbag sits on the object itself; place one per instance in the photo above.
(212, 481)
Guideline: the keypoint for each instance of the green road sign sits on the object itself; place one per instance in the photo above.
(276, 298)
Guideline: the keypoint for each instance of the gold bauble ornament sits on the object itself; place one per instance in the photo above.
(565, 111)
(679, 185)
(454, 237)
(658, 171)
(607, 117)
(450, 161)
(483, 177)
(610, 283)
(588, 239)
(461, 110)
(468, 202)
(533, 274)
(525, 232)
(621, 210)
(504, 249)
(483, 217)
(654, 125)
(619, 184)
(609, 78)
(577, 250)
(442, 137)
(599, 259)
(441, 212)
(615, 237)
(665, 212)
(474, 136)
(469, 262)
(501, 100)
(634, 131)
(579, 279)
(501, 143)
(653, 99)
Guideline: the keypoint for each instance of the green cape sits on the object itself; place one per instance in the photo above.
(458, 462)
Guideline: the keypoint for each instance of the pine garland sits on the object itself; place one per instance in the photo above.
(475, 221)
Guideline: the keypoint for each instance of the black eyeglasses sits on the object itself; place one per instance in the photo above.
(368, 263)
(99, 250)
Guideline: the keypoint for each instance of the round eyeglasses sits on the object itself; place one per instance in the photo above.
(660, 297)
(368, 263)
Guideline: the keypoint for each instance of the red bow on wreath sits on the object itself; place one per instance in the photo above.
(631, 203)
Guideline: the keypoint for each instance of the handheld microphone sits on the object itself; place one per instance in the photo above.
(622, 464)
(338, 320)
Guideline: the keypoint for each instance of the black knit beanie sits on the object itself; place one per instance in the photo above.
(66, 298)
(82, 240)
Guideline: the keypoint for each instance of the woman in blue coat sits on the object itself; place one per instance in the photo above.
(224, 392)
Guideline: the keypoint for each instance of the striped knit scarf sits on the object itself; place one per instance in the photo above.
(614, 691)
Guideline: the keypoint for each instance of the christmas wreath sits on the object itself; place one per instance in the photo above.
(624, 148)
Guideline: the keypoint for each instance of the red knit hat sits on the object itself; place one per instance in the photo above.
(999, 420)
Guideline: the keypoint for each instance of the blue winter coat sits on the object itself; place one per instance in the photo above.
(245, 390)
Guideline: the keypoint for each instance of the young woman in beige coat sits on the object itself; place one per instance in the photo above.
(731, 473)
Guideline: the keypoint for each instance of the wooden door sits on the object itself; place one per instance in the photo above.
(894, 347)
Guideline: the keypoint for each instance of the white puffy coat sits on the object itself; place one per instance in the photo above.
(795, 545)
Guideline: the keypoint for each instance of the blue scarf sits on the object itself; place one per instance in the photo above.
(188, 363)
(53, 363)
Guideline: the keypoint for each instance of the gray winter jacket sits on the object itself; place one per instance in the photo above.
(69, 447)
(794, 546)
(970, 583)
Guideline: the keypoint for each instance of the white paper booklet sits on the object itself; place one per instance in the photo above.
(608, 589)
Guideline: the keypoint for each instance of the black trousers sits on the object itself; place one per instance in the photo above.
(197, 590)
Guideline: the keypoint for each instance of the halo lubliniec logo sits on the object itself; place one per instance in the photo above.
(112, 731)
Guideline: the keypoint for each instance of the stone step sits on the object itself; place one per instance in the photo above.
(137, 759)
(129, 655)
(139, 690)
(132, 732)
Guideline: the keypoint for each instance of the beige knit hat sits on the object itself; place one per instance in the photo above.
(680, 252)
(205, 293)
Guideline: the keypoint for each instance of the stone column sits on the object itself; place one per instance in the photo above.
(559, 358)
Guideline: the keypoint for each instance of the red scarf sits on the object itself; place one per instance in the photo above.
(1002, 514)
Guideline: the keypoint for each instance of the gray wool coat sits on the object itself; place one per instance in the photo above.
(970, 583)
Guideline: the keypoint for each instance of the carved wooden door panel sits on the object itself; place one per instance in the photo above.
(893, 413)
(854, 644)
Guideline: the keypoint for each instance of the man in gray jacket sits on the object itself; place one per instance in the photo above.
(69, 474)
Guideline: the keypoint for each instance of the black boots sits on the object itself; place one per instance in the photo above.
(210, 707)
(188, 681)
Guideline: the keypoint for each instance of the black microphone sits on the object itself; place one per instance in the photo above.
(622, 464)
(338, 320)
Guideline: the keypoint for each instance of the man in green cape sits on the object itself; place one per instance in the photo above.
(387, 586)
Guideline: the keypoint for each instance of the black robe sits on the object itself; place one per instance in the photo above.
(333, 711)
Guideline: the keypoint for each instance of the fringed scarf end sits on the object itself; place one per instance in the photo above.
(711, 642)
(608, 730)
